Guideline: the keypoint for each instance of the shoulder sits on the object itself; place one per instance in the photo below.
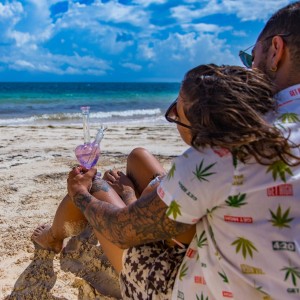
(215, 158)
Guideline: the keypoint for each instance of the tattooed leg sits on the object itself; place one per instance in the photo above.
(69, 220)
(104, 192)
(101, 189)
(142, 167)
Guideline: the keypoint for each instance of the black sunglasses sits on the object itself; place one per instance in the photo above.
(171, 115)
(247, 58)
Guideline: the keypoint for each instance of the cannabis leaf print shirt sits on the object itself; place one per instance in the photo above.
(247, 216)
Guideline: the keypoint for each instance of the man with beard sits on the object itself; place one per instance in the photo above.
(277, 49)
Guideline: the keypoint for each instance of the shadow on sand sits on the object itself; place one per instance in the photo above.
(81, 256)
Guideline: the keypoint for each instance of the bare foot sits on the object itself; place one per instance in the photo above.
(43, 237)
(122, 184)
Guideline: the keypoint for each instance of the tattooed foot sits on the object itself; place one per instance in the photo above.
(43, 237)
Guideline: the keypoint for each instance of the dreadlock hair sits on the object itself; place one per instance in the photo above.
(227, 107)
(286, 22)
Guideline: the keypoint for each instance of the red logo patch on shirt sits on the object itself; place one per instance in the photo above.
(280, 190)
(236, 219)
(199, 280)
(190, 252)
(294, 92)
(160, 192)
(227, 294)
(221, 152)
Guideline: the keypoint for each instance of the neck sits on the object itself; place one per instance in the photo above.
(284, 80)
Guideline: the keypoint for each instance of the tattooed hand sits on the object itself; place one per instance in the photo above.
(80, 180)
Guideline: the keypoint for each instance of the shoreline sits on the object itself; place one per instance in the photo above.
(35, 161)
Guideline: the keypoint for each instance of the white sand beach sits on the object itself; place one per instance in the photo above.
(34, 163)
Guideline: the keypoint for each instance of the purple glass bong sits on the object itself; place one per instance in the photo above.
(89, 152)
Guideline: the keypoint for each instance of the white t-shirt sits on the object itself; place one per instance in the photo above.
(247, 241)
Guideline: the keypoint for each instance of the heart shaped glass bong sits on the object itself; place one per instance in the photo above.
(88, 153)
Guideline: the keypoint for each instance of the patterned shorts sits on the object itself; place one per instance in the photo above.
(149, 271)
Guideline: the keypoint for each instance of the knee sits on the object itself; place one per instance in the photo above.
(138, 154)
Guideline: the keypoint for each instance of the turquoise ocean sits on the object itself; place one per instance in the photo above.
(59, 103)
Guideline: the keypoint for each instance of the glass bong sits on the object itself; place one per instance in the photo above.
(88, 153)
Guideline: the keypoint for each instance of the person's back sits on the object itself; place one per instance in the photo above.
(247, 241)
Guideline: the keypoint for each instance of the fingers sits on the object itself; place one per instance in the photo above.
(76, 170)
(111, 176)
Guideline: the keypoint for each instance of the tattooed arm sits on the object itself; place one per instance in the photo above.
(143, 221)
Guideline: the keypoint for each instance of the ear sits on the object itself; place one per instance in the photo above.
(277, 49)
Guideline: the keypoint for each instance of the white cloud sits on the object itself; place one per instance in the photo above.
(253, 9)
(46, 62)
(111, 11)
(183, 51)
(22, 64)
(25, 28)
(132, 66)
(239, 33)
(146, 52)
(109, 35)
(11, 10)
(245, 10)
(146, 3)
(205, 28)
(21, 38)
(10, 15)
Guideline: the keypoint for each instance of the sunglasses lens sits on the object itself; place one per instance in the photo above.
(246, 59)
(171, 114)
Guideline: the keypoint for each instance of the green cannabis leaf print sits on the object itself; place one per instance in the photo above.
(172, 171)
(245, 245)
(280, 219)
(223, 276)
(292, 272)
(234, 161)
(210, 212)
(236, 200)
(279, 168)
(260, 289)
(202, 173)
(183, 271)
(289, 118)
(202, 240)
(174, 210)
(202, 297)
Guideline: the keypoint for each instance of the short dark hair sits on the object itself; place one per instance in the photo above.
(285, 21)
(226, 106)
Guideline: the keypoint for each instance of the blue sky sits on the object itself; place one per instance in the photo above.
(123, 40)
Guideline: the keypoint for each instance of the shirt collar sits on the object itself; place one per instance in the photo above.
(289, 94)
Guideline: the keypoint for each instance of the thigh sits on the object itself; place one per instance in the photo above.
(102, 190)
(142, 167)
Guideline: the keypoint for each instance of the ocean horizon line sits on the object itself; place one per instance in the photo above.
(60, 102)
(114, 82)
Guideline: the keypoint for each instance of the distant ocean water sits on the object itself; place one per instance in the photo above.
(59, 103)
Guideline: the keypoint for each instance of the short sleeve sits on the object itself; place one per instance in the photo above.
(196, 182)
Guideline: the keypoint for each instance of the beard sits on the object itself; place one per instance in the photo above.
(262, 66)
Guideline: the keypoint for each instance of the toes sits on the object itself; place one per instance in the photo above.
(40, 230)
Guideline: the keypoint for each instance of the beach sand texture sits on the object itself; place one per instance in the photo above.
(34, 163)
